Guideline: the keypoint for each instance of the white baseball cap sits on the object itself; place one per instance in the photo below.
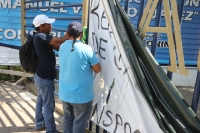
(42, 19)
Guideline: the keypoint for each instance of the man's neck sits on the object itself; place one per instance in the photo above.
(72, 38)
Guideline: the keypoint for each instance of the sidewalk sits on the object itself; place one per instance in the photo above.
(17, 109)
(187, 93)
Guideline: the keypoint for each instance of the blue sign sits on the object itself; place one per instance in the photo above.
(10, 24)
(190, 31)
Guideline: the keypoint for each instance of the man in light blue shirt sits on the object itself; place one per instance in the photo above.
(77, 63)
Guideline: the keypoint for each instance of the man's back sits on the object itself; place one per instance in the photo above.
(76, 74)
(44, 51)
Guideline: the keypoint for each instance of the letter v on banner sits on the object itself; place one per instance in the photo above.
(144, 27)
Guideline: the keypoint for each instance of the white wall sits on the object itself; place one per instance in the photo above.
(183, 80)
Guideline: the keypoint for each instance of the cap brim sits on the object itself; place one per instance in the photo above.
(51, 21)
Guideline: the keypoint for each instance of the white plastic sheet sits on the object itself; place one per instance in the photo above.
(126, 109)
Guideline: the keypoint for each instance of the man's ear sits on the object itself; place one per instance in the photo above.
(67, 35)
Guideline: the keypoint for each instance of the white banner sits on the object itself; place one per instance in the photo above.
(9, 56)
(125, 110)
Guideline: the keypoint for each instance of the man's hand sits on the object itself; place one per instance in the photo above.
(96, 68)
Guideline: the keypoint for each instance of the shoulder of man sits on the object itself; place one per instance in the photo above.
(88, 49)
(87, 46)
(40, 34)
(43, 36)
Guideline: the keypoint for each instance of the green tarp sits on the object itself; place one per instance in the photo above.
(171, 110)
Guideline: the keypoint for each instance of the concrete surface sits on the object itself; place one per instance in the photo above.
(17, 113)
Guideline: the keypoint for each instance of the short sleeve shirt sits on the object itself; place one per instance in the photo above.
(46, 56)
(76, 74)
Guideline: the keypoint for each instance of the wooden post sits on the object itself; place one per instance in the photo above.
(23, 22)
(85, 13)
(23, 29)
(145, 27)
(11, 76)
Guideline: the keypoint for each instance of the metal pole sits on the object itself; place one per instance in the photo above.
(196, 94)
(140, 12)
(126, 6)
(97, 129)
(90, 126)
(157, 24)
(180, 10)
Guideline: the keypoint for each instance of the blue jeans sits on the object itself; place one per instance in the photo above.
(45, 104)
(76, 117)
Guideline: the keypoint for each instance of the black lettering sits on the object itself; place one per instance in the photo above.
(162, 44)
(117, 122)
(93, 12)
(94, 37)
(107, 113)
(114, 47)
(125, 127)
(116, 62)
(110, 32)
(100, 48)
(111, 87)
(159, 43)
(104, 17)
(166, 44)
(159, 36)
(125, 71)
(96, 109)
(137, 131)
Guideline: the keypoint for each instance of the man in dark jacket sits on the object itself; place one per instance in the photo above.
(44, 44)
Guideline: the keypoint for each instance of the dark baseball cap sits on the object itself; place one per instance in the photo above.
(75, 25)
